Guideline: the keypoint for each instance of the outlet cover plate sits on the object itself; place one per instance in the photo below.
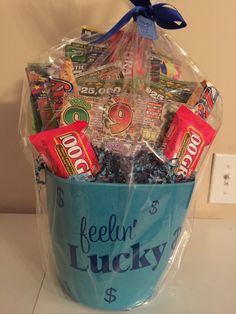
(223, 179)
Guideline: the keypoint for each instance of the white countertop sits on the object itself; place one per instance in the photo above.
(205, 283)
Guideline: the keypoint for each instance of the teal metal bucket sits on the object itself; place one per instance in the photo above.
(112, 242)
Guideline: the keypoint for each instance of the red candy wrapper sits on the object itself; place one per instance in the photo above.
(67, 150)
(186, 139)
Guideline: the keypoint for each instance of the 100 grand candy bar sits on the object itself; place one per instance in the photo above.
(186, 139)
(67, 151)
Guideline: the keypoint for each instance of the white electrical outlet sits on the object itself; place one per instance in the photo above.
(223, 179)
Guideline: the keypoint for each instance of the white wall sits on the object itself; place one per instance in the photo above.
(29, 27)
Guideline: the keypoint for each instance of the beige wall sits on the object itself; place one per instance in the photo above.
(28, 27)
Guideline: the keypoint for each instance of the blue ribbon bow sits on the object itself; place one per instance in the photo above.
(163, 14)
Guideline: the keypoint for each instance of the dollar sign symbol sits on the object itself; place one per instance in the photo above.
(176, 234)
(110, 295)
(153, 210)
(60, 194)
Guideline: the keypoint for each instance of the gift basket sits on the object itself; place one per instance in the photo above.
(117, 124)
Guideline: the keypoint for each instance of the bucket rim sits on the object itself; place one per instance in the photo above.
(95, 184)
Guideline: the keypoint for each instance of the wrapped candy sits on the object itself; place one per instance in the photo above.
(67, 151)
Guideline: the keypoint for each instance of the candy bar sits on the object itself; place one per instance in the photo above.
(205, 105)
(186, 139)
(67, 150)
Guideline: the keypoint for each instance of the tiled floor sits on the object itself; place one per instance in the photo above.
(205, 283)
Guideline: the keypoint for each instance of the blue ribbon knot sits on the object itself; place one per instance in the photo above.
(165, 16)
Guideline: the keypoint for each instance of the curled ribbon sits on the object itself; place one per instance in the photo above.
(165, 16)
